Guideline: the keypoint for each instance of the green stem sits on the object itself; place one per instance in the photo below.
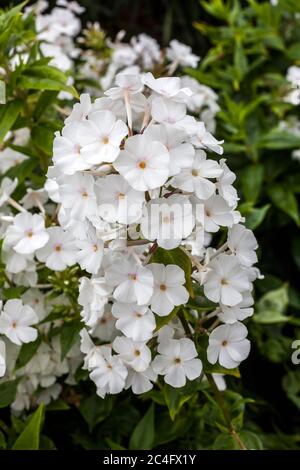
(184, 323)
(9, 282)
(223, 408)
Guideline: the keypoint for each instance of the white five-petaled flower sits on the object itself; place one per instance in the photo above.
(195, 179)
(144, 163)
(177, 361)
(228, 345)
(109, 372)
(60, 250)
(90, 252)
(224, 184)
(239, 312)
(181, 152)
(16, 320)
(169, 87)
(67, 150)
(167, 111)
(225, 281)
(78, 196)
(80, 110)
(134, 321)
(204, 139)
(118, 201)
(132, 282)
(100, 136)
(129, 84)
(27, 233)
(140, 382)
(242, 242)
(216, 213)
(93, 296)
(168, 220)
(181, 54)
(169, 290)
(135, 354)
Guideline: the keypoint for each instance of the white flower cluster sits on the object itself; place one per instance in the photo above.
(19, 324)
(56, 31)
(143, 53)
(131, 176)
(134, 195)
(131, 179)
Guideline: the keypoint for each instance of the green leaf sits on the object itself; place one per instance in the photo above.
(240, 60)
(13, 292)
(9, 22)
(251, 179)
(176, 397)
(46, 443)
(8, 392)
(33, 83)
(217, 369)
(69, 335)
(227, 441)
(291, 385)
(9, 114)
(6, 16)
(278, 139)
(58, 405)
(95, 409)
(283, 198)
(293, 51)
(44, 101)
(255, 216)
(144, 433)
(178, 257)
(113, 445)
(43, 138)
(29, 439)
(272, 306)
(23, 170)
(27, 351)
(45, 77)
(232, 147)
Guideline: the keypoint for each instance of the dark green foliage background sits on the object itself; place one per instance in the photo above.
(246, 48)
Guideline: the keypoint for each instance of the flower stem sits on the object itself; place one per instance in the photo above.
(137, 242)
(15, 204)
(220, 250)
(9, 281)
(184, 323)
(222, 405)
